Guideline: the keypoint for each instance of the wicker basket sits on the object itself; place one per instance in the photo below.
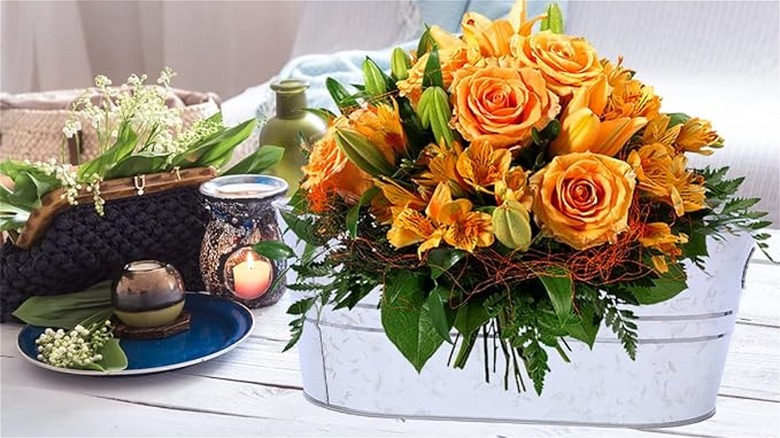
(65, 248)
(31, 124)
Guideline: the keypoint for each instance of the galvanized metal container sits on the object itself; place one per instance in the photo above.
(349, 365)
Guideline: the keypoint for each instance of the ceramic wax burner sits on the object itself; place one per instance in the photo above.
(148, 293)
(241, 214)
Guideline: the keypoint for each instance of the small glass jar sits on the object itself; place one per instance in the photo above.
(148, 293)
(242, 214)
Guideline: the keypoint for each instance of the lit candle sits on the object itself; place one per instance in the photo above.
(251, 278)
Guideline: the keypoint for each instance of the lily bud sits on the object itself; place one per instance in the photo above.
(374, 78)
(364, 154)
(512, 225)
(579, 132)
(435, 113)
(400, 64)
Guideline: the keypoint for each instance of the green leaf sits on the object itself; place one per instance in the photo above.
(354, 212)
(559, 287)
(137, 165)
(302, 228)
(300, 307)
(665, 287)
(432, 75)
(471, 315)
(273, 249)
(441, 314)
(677, 119)
(258, 162)
(426, 42)
(340, 95)
(66, 310)
(114, 358)
(218, 151)
(588, 327)
(440, 260)
(406, 319)
(123, 147)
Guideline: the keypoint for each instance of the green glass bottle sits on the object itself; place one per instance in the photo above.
(286, 129)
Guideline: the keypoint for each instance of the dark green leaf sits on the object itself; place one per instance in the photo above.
(340, 95)
(302, 228)
(588, 326)
(442, 259)
(218, 151)
(123, 147)
(559, 287)
(426, 42)
(432, 75)
(258, 162)
(300, 307)
(273, 249)
(665, 287)
(406, 319)
(136, 165)
(441, 314)
(471, 316)
(66, 310)
(677, 119)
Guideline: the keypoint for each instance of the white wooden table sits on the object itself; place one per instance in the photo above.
(256, 391)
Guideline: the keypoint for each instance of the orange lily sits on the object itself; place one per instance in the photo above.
(583, 127)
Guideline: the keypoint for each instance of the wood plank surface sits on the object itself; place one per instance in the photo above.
(255, 390)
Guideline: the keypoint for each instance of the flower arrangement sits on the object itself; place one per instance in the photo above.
(137, 134)
(508, 183)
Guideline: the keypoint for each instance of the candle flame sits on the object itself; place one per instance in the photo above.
(250, 261)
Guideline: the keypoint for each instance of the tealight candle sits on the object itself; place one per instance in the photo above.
(251, 278)
(242, 213)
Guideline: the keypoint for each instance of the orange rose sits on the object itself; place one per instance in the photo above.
(500, 105)
(566, 62)
(582, 199)
(330, 172)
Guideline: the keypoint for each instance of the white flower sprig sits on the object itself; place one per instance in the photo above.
(78, 348)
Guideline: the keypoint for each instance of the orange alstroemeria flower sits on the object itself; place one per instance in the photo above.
(441, 162)
(658, 131)
(481, 166)
(696, 135)
(381, 125)
(628, 97)
(665, 176)
(658, 236)
(445, 218)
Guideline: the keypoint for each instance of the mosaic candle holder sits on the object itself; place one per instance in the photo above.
(241, 214)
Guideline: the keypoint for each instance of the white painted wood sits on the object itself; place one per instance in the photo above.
(254, 391)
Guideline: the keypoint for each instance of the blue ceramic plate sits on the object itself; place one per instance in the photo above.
(217, 325)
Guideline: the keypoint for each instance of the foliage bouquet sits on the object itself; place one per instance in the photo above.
(508, 183)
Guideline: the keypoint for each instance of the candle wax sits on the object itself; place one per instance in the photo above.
(251, 278)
